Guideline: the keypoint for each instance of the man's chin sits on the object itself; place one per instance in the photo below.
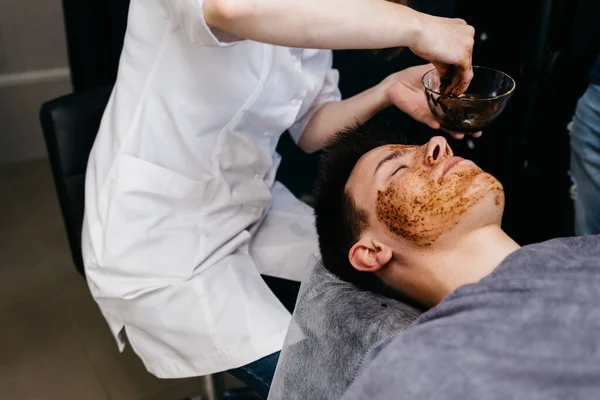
(483, 184)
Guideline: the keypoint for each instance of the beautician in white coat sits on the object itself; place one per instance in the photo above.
(182, 212)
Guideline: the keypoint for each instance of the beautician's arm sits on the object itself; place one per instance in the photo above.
(348, 24)
(323, 24)
(402, 89)
(337, 115)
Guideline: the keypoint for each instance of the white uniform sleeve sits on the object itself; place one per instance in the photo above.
(189, 15)
(329, 92)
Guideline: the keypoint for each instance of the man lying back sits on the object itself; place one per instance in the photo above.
(505, 322)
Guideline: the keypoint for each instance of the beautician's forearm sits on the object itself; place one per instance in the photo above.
(332, 117)
(322, 24)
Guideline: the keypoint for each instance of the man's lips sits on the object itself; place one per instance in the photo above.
(449, 164)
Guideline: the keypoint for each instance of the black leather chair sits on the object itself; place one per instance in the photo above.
(70, 124)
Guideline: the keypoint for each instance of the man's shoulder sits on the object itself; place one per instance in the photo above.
(532, 286)
(587, 244)
(411, 367)
(572, 254)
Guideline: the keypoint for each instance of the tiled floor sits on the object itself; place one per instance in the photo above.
(54, 343)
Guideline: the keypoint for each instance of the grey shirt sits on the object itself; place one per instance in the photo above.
(530, 330)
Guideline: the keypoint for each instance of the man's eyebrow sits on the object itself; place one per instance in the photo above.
(390, 157)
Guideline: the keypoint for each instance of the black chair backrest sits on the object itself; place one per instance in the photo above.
(70, 124)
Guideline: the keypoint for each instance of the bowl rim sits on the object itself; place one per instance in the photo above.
(514, 85)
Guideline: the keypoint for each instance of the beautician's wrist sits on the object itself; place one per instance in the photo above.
(385, 88)
(414, 23)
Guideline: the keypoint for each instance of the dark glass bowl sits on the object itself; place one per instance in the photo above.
(485, 99)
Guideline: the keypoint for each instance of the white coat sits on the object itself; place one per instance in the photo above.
(182, 210)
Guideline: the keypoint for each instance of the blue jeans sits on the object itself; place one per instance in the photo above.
(585, 162)
(258, 375)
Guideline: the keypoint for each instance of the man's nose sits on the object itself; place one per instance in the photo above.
(437, 150)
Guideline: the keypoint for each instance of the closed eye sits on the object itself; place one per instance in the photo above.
(399, 169)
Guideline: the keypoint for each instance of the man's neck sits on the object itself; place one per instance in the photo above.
(466, 261)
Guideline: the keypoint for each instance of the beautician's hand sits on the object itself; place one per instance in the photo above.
(405, 91)
(448, 44)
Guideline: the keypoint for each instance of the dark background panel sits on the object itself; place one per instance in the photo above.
(95, 32)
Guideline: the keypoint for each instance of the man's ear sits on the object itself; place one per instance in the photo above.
(368, 255)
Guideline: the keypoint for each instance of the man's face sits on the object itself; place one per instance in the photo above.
(418, 194)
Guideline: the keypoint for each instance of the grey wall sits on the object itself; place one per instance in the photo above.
(33, 69)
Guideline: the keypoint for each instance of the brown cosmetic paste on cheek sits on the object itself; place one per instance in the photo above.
(428, 209)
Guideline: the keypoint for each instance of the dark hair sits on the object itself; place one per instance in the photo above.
(339, 221)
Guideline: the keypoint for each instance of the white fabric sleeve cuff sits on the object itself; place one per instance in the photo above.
(189, 16)
(329, 92)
